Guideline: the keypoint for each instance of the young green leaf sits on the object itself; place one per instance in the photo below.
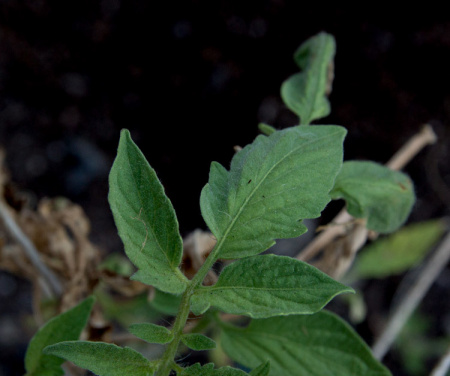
(118, 264)
(268, 285)
(266, 129)
(198, 342)
(305, 93)
(151, 333)
(67, 326)
(272, 185)
(165, 303)
(145, 219)
(103, 359)
(313, 345)
(208, 370)
(126, 312)
(262, 370)
(383, 196)
(399, 251)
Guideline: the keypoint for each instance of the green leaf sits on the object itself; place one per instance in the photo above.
(305, 93)
(268, 285)
(372, 191)
(117, 263)
(103, 359)
(266, 129)
(272, 185)
(208, 369)
(151, 333)
(145, 219)
(398, 252)
(66, 326)
(262, 370)
(198, 342)
(307, 345)
(126, 311)
(165, 303)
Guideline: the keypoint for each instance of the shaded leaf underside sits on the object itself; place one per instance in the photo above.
(372, 191)
(305, 93)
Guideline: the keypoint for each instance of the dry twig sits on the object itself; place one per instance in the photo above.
(443, 366)
(30, 250)
(340, 224)
(196, 246)
(428, 275)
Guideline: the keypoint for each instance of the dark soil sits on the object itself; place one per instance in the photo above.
(192, 79)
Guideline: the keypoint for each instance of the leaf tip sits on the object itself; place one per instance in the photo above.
(125, 133)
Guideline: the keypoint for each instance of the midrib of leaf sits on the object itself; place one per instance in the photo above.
(250, 196)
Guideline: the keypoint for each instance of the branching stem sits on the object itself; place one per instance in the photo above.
(167, 360)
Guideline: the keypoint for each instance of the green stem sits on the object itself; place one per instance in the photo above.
(167, 360)
(176, 367)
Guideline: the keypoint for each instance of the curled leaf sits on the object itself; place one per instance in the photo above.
(372, 191)
(305, 93)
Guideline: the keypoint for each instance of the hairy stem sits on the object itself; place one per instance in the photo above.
(167, 360)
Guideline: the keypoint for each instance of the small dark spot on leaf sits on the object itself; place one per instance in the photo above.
(249, 181)
(402, 187)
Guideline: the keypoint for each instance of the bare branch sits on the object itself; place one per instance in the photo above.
(428, 275)
(412, 147)
(30, 250)
(443, 366)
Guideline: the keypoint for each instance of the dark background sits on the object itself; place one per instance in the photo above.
(192, 79)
